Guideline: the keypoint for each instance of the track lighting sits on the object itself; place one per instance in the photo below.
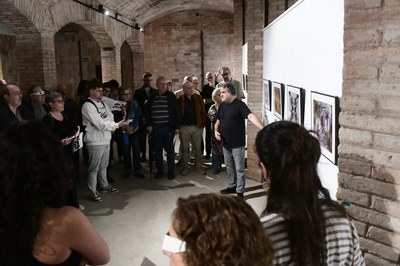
(117, 16)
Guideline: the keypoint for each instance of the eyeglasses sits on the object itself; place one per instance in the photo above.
(39, 93)
(173, 245)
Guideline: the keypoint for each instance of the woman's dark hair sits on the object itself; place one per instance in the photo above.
(34, 175)
(290, 154)
(221, 230)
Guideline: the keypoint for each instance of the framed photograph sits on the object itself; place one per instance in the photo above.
(278, 90)
(295, 104)
(324, 121)
(267, 94)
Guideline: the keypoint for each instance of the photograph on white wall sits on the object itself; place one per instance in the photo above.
(295, 104)
(278, 97)
(324, 121)
(267, 94)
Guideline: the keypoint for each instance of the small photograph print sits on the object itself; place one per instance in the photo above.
(278, 97)
(324, 117)
(295, 104)
(267, 94)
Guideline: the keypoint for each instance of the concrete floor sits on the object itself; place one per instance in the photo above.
(133, 222)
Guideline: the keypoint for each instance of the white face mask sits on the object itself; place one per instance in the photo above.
(173, 245)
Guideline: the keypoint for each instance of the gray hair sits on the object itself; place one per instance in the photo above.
(228, 86)
(215, 91)
(53, 95)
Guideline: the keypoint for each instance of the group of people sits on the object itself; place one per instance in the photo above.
(300, 225)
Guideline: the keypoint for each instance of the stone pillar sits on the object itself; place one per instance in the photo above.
(237, 39)
(49, 62)
(30, 60)
(369, 151)
(254, 37)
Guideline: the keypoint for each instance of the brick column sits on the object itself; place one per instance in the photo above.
(254, 37)
(49, 62)
(369, 154)
(30, 60)
(237, 39)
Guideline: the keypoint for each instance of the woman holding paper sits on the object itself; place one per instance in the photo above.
(64, 129)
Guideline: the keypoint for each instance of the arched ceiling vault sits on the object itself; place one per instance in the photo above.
(144, 11)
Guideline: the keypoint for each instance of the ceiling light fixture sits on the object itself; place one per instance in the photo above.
(117, 16)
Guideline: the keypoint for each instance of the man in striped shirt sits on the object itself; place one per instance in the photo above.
(163, 122)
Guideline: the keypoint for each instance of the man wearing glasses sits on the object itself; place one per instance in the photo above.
(11, 110)
(227, 78)
(36, 104)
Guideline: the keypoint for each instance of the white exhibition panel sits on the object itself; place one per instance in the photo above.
(304, 48)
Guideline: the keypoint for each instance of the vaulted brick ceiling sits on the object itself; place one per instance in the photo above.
(138, 11)
(144, 11)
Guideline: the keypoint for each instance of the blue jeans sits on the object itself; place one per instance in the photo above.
(162, 138)
(131, 145)
(216, 160)
(234, 161)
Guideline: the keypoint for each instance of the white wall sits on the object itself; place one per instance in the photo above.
(304, 48)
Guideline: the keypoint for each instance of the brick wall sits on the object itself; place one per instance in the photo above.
(254, 37)
(238, 9)
(173, 45)
(30, 60)
(369, 153)
(9, 59)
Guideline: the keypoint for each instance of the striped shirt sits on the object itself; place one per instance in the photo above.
(159, 111)
(341, 242)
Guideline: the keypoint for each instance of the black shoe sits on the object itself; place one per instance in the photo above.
(216, 171)
(240, 195)
(143, 159)
(158, 175)
(138, 174)
(171, 176)
(110, 179)
(228, 190)
(179, 163)
(206, 157)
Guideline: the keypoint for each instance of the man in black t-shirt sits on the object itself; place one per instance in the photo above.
(230, 128)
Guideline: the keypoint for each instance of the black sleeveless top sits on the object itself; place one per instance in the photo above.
(73, 260)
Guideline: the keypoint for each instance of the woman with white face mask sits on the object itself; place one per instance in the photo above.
(211, 229)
